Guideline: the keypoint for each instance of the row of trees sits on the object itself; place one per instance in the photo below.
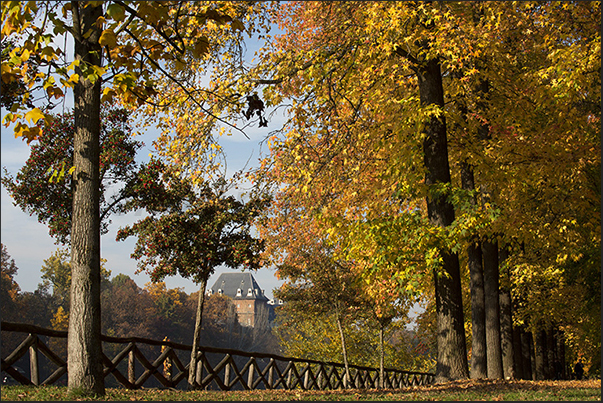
(153, 311)
(156, 312)
(445, 150)
(449, 150)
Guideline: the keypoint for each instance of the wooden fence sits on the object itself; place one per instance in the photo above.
(219, 369)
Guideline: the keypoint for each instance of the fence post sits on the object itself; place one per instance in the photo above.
(199, 370)
(289, 375)
(250, 373)
(227, 374)
(319, 377)
(271, 374)
(131, 366)
(307, 376)
(33, 361)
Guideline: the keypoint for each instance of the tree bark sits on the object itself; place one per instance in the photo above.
(84, 364)
(381, 359)
(452, 350)
(517, 354)
(192, 368)
(479, 367)
(561, 354)
(346, 382)
(526, 343)
(490, 255)
(550, 352)
(539, 354)
(532, 355)
(506, 319)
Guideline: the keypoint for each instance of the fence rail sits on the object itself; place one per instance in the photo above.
(217, 368)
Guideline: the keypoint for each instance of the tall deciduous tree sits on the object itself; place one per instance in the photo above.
(190, 231)
(125, 48)
(359, 100)
(341, 94)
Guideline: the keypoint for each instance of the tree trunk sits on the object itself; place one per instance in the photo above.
(550, 352)
(346, 382)
(381, 359)
(85, 364)
(192, 368)
(545, 354)
(452, 350)
(506, 320)
(526, 343)
(517, 354)
(490, 255)
(539, 354)
(532, 355)
(561, 354)
(479, 367)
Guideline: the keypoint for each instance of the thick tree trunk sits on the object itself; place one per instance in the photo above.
(452, 349)
(532, 355)
(526, 347)
(560, 339)
(506, 320)
(192, 368)
(346, 382)
(479, 367)
(539, 354)
(85, 364)
(550, 352)
(490, 255)
(517, 354)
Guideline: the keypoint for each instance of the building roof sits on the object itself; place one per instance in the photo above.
(238, 286)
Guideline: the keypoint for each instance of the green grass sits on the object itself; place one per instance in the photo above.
(460, 390)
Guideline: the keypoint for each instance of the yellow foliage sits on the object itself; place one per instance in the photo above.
(60, 320)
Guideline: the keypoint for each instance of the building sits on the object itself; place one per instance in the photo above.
(253, 308)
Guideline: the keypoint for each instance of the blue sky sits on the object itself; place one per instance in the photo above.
(28, 243)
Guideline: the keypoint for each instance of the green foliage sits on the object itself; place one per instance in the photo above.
(12, 91)
(44, 186)
(190, 230)
(317, 338)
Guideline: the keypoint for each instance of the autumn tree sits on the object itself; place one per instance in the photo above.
(56, 273)
(340, 131)
(190, 231)
(548, 152)
(56, 277)
(9, 289)
(376, 130)
(128, 51)
(128, 310)
(44, 186)
(318, 283)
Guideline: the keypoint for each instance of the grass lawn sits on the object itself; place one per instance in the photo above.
(459, 390)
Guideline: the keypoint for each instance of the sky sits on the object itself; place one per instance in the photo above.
(28, 243)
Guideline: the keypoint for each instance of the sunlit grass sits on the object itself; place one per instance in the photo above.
(469, 390)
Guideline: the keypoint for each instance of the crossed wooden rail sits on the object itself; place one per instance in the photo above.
(224, 369)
